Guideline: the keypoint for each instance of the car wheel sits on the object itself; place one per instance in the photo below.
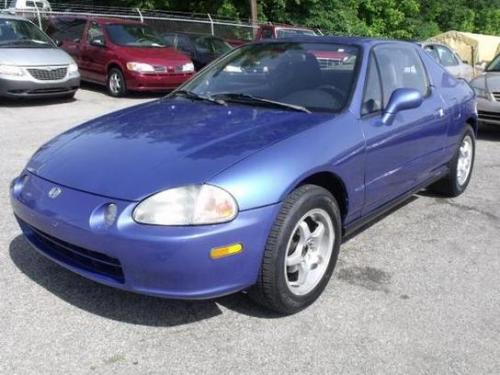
(116, 84)
(301, 251)
(460, 166)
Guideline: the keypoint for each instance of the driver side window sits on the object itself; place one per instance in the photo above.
(95, 34)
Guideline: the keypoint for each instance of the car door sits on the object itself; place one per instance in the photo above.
(94, 54)
(404, 154)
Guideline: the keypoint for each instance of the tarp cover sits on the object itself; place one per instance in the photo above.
(473, 48)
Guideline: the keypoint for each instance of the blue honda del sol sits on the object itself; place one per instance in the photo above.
(248, 176)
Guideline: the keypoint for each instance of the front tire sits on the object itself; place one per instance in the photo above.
(461, 166)
(301, 251)
(116, 84)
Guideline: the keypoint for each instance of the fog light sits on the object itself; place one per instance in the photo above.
(221, 252)
(110, 213)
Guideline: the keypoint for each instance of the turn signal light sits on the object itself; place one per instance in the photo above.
(221, 252)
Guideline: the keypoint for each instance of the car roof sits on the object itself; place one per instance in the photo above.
(186, 33)
(110, 20)
(7, 16)
(348, 40)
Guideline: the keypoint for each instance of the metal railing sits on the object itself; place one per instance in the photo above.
(163, 21)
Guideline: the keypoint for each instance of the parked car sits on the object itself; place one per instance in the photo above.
(202, 49)
(274, 31)
(249, 175)
(450, 60)
(126, 56)
(30, 6)
(31, 64)
(487, 88)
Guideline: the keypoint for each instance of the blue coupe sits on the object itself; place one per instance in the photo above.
(249, 175)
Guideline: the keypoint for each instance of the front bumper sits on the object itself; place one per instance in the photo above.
(488, 111)
(171, 262)
(155, 82)
(12, 88)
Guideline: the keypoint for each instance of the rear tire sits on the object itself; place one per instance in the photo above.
(461, 167)
(116, 84)
(301, 251)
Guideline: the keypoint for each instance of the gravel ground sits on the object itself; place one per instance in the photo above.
(418, 292)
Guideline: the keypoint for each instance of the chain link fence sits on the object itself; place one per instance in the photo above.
(163, 21)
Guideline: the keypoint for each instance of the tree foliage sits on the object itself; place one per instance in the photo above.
(406, 19)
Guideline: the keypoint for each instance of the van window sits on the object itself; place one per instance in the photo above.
(95, 33)
(64, 29)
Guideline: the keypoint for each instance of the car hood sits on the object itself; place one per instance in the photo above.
(493, 81)
(34, 56)
(135, 152)
(155, 55)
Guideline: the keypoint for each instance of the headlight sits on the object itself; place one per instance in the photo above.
(481, 92)
(72, 68)
(11, 70)
(189, 67)
(189, 205)
(140, 67)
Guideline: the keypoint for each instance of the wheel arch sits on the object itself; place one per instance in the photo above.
(331, 182)
(472, 121)
(114, 64)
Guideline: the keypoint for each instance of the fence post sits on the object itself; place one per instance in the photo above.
(38, 16)
(212, 29)
(140, 14)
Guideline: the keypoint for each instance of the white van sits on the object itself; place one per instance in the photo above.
(30, 6)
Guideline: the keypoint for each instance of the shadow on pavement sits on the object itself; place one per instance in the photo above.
(489, 133)
(34, 102)
(99, 89)
(120, 305)
(380, 218)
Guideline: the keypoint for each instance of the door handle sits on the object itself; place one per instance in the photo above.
(439, 112)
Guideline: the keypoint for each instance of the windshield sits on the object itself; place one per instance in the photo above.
(134, 36)
(494, 66)
(22, 34)
(309, 75)
(285, 33)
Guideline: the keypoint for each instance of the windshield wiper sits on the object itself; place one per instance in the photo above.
(194, 96)
(247, 98)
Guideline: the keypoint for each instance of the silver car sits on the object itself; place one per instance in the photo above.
(487, 88)
(450, 60)
(31, 64)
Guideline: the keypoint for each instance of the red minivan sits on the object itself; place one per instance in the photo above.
(124, 55)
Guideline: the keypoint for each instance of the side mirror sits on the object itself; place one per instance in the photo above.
(401, 100)
(98, 43)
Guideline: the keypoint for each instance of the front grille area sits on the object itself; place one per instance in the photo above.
(76, 256)
(46, 74)
(496, 95)
(489, 116)
(159, 69)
